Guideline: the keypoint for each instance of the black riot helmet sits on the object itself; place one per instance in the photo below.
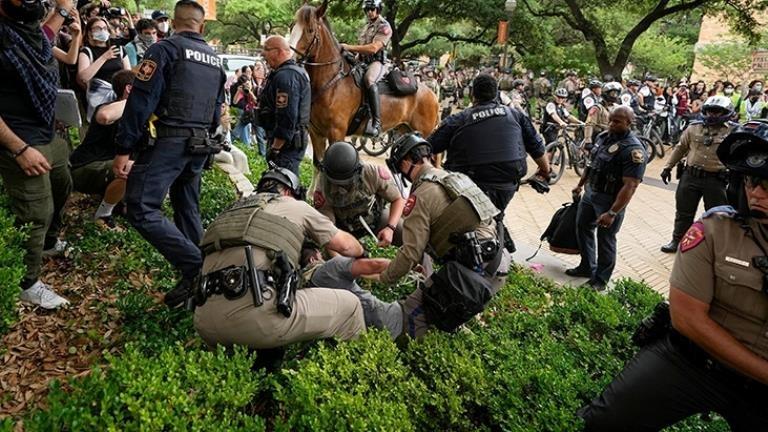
(283, 176)
(745, 153)
(411, 146)
(341, 163)
(372, 4)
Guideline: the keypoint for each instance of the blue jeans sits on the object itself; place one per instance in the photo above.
(261, 139)
(599, 262)
(241, 131)
(167, 169)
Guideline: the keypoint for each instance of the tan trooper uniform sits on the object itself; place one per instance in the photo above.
(698, 145)
(367, 196)
(714, 265)
(378, 30)
(317, 312)
(432, 213)
(596, 122)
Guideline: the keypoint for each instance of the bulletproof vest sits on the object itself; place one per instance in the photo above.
(268, 109)
(190, 96)
(583, 110)
(559, 110)
(605, 174)
(490, 133)
(351, 201)
(649, 101)
(246, 223)
(469, 208)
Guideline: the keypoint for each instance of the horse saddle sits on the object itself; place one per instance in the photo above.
(396, 83)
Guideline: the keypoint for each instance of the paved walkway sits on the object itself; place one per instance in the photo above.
(647, 226)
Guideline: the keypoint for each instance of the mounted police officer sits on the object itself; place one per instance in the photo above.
(451, 219)
(597, 115)
(359, 197)
(250, 292)
(180, 83)
(704, 176)
(617, 165)
(708, 351)
(373, 40)
(285, 105)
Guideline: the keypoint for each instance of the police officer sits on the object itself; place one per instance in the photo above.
(631, 98)
(359, 197)
(556, 113)
(712, 355)
(445, 215)
(589, 98)
(704, 175)
(616, 168)
(175, 148)
(240, 299)
(648, 93)
(488, 142)
(373, 40)
(33, 160)
(597, 114)
(285, 105)
(519, 98)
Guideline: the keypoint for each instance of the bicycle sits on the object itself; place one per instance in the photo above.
(649, 132)
(565, 151)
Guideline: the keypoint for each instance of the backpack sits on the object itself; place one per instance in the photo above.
(561, 232)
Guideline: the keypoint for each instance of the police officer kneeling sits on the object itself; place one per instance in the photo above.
(249, 292)
(712, 355)
(450, 218)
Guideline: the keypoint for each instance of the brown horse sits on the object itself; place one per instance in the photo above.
(336, 97)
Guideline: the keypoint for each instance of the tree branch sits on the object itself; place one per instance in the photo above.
(453, 38)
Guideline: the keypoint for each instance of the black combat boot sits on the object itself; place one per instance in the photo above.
(180, 294)
(670, 247)
(374, 125)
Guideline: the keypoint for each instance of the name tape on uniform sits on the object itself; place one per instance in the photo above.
(202, 57)
(737, 261)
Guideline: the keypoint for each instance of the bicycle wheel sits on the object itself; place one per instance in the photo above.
(378, 145)
(649, 147)
(578, 158)
(357, 142)
(658, 145)
(556, 154)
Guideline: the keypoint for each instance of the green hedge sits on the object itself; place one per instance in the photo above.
(12, 267)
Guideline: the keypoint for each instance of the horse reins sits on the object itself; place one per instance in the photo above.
(303, 60)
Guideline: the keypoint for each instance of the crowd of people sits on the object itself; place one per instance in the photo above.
(275, 268)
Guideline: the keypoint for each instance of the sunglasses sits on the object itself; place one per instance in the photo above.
(368, 8)
(754, 181)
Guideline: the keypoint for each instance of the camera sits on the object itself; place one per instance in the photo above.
(113, 12)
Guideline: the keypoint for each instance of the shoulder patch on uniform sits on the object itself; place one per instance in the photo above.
(693, 237)
(384, 173)
(318, 199)
(409, 205)
(386, 30)
(145, 70)
(638, 156)
(723, 210)
(281, 100)
(589, 102)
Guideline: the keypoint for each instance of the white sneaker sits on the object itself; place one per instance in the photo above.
(57, 250)
(41, 294)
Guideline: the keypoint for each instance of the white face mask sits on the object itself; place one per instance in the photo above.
(101, 36)
(163, 26)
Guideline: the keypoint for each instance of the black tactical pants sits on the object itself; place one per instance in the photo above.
(664, 383)
(690, 190)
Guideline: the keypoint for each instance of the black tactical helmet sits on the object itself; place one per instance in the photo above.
(745, 150)
(517, 82)
(403, 147)
(283, 176)
(372, 4)
(341, 163)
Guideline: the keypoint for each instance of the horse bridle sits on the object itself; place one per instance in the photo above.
(305, 56)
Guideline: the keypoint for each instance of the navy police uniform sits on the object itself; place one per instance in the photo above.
(284, 113)
(488, 142)
(168, 85)
(613, 158)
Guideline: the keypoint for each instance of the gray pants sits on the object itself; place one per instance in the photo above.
(376, 70)
(689, 192)
(336, 273)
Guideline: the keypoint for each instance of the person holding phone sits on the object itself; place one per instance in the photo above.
(97, 63)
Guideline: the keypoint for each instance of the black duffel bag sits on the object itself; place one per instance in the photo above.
(402, 82)
(456, 295)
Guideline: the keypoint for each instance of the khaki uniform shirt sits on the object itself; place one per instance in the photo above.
(377, 31)
(377, 181)
(698, 145)
(596, 122)
(315, 226)
(714, 265)
(426, 203)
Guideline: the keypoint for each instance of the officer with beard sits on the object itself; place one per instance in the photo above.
(708, 351)
(33, 160)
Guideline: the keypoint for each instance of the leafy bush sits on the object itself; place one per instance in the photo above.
(177, 390)
(12, 267)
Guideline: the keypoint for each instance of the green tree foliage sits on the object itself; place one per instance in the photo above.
(245, 21)
(730, 59)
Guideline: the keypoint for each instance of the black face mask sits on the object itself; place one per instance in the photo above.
(30, 11)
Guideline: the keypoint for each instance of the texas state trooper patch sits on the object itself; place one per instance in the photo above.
(384, 173)
(693, 237)
(409, 205)
(146, 70)
(281, 100)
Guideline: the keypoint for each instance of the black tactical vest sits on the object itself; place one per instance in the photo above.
(193, 88)
(606, 165)
(491, 133)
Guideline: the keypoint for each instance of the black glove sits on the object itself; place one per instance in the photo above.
(666, 175)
